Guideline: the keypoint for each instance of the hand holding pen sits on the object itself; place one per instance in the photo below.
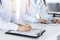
(23, 28)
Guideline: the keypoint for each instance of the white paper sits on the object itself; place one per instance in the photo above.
(30, 33)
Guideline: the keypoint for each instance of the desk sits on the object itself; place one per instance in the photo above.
(52, 31)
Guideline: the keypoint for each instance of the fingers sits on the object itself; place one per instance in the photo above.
(43, 21)
(25, 28)
(56, 21)
(46, 21)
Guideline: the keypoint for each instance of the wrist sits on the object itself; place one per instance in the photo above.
(18, 28)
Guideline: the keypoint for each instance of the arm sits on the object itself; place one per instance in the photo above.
(11, 26)
(29, 18)
(45, 17)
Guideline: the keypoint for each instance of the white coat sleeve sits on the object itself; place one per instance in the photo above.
(29, 18)
(45, 15)
(7, 26)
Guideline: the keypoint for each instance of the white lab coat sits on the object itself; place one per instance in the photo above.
(7, 25)
(31, 15)
(6, 16)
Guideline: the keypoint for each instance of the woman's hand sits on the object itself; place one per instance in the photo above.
(43, 21)
(24, 28)
(56, 21)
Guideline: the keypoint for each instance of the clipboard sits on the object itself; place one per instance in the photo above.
(31, 34)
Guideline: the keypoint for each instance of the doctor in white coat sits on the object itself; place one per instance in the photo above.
(36, 12)
(6, 17)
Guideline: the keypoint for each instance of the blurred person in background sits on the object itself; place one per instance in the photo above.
(36, 12)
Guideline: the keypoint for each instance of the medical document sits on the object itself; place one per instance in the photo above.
(31, 33)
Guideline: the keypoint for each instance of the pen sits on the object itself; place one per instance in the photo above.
(36, 29)
(40, 16)
(19, 24)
